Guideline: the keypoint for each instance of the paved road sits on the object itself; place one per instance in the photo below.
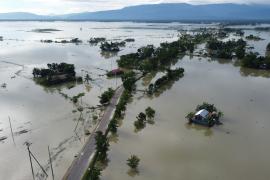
(80, 164)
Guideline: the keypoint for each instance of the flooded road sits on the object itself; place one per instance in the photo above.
(168, 149)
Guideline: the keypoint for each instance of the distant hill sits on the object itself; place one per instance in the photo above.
(21, 16)
(163, 12)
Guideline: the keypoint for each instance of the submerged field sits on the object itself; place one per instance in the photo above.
(169, 148)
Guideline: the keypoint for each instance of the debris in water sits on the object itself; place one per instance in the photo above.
(4, 85)
(22, 132)
(3, 138)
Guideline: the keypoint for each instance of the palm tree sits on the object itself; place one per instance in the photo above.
(133, 162)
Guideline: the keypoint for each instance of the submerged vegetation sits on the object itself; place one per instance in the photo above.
(75, 98)
(55, 74)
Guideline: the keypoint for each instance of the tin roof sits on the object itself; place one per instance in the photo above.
(202, 113)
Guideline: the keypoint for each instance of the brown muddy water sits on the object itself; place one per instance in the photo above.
(169, 148)
(172, 149)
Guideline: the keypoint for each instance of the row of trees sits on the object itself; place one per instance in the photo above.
(55, 69)
(170, 76)
(149, 58)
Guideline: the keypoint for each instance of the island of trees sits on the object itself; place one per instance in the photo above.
(55, 74)
(206, 114)
(228, 49)
(96, 40)
(112, 46)
(253, 60)
(64, 41)
(253, 38)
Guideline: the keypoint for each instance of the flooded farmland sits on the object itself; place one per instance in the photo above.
(169, 148)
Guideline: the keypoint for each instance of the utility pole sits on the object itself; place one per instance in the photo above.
(50, 159)
(28, 145)
(11, 129)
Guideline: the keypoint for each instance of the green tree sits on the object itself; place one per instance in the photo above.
(150, 113)
(94, 173)
(106, 96)
(133, 162)
(113, 125)
(102, 145)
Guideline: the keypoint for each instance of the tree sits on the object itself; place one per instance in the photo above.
(141, 117)
(133, 162)
(129, 80)
(95, 173)
(150, 113)
(102, 145)
(87, 78)
(141, 120)
(106, 96)
(113, 125)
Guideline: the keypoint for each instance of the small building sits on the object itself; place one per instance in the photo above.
(202, 114)
(203, 117)
(115, 72)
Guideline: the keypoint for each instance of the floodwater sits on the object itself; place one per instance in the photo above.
(169, 148)
(42, 116)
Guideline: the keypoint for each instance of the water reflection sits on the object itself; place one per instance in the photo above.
(133, 172)
(107, 54)
(114, 137)
(254, 72)
(206, 130)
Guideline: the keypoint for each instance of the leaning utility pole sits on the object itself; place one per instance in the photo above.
(50, 159)
(31, 155)
(28, 145)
